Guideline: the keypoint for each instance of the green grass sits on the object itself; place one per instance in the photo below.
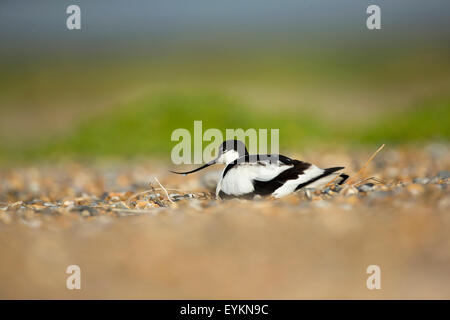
(143, 127)
(426, 121)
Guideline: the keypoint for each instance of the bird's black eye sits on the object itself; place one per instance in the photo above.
(224, 147)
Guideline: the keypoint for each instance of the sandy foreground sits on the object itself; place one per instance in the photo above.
(130, 241)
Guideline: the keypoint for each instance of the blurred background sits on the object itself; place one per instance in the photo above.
(138, 70)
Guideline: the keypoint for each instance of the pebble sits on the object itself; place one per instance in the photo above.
(330, 191)
(82, 191)
(155, 196)
(48, 204)
(68, 203)
(435, 180)
(82, 209)
(120, 205)
(366, 187)
(176, 196)
(16, 205)
(421, 180)
(308, 194)
(350, 191)
(141, 204)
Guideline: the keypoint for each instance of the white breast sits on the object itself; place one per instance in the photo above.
(239, 179)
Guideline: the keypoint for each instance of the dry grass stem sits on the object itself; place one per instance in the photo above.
(164, 189)
(361, 171)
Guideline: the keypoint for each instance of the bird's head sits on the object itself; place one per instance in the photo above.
(231, 150)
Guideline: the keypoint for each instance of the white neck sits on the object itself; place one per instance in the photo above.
(228, 157)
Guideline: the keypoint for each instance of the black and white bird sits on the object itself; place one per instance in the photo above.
(247, 175)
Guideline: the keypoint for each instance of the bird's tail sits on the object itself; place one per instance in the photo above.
(341, 178)
(329, 175)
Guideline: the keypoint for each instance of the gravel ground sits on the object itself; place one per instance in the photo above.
(130, 241)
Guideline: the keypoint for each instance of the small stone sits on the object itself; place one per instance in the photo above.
(435, 180)
(82, 201)
(308, 193)
(176, 196)
(68, 203)
(350, 191)
(104, 195)
(421, 180)
(37, 207)
(120, 205)
(159, 203)
(141, 204)
(154, 196)
(35, 201)
(48, 204)
(81, 209)
(365, 187)
(16, 205)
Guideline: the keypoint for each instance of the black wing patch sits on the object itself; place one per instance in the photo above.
(268, 187)
(259, 157)
(324, 174)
